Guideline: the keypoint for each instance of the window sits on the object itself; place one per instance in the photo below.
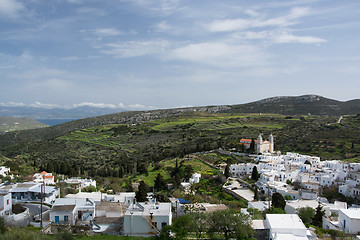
(66, 218)
(7, 202)
(163, 224)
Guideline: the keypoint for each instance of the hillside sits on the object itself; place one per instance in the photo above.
(14, 124)
(127, 148)
(302, 105)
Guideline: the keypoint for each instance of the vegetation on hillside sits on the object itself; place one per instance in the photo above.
(118, 150)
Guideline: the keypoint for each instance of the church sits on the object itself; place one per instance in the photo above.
(261, 146)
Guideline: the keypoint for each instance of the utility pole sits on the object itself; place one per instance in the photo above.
(41, 206)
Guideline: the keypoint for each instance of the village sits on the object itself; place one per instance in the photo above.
(301, 180)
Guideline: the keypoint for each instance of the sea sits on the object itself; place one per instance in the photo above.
(53, 122)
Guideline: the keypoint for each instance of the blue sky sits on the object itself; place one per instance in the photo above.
(143, 54)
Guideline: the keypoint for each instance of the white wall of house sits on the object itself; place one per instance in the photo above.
(349, 220)
(137, 225)
(137, 217)
(63, 217)
(5, 204)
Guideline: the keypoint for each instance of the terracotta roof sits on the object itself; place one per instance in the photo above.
(43, 173)
(48, 176)
(247, 140)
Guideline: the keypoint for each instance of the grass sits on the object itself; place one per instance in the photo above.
(167, 165)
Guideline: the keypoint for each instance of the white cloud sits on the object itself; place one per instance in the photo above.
(43, 105)
(107, 32)
(11, 8)
(12, 104)
(38, 104)
(286, 37)
(139, 107)
(96, 105)
(278, 37)
(26, 56)
(220, 54)
(165, 7)
(163, 26)
(135, 48)
(229, 25)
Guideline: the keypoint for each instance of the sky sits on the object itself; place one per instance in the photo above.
(149, 54)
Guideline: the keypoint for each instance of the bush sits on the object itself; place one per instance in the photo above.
(3, 227)
(18, 208)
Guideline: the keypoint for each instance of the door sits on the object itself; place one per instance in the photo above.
(57, 219)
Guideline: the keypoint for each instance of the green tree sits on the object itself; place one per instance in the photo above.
(252, 146)
(90, 189)
(227, 171)
(230, 224)
(256, 194)
(189, 171)
(159, 183)
(3, 227)
(319, 213)
(141, 194)
(274, 210)
(200, 225)
(278, 201)
(255, 174)
(177, 180)
(306, 214)
(182, 226)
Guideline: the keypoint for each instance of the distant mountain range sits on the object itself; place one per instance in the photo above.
(307, 104)
(56, 113)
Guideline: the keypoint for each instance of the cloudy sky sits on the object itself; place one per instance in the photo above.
(172, 53)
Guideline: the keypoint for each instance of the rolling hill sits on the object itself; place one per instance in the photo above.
(8, 124)
(301, 105)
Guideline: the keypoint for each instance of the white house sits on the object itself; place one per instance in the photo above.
(72, 211)
(292, 207)
(349, 220)
(30, 191)
(4, 171)
(5, 203)
(195, 178)
(260, 205)
(286, 226)
(81, 182)
(44, 177)
(146, 219)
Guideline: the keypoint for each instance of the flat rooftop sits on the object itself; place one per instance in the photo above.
(351, 212)
(158, 209)
(285, 221)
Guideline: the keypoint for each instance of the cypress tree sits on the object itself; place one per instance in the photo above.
(160, 183)
(278, 201)
(227, 171)
(319, 213)
(142, 192)
(255, 174)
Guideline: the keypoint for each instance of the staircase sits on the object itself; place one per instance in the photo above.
(152, 224)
